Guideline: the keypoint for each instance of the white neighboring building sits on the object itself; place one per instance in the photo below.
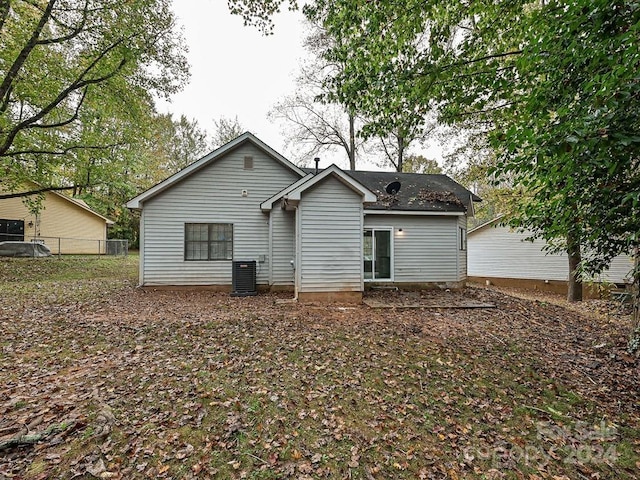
(502, 256)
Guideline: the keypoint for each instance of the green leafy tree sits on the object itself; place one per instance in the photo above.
(395, 117)
(162, 147)
(74, 74)
(259, 13)
(576, 149)
(177, 143)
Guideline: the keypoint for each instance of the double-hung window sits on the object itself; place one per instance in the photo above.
(208, 241)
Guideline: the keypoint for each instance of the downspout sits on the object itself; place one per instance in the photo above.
(296, 260)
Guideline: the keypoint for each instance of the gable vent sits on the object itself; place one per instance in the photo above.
(248, 163)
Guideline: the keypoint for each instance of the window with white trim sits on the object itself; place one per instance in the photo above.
(463, 238)
(208, 241)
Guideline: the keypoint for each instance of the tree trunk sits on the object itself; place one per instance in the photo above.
(574, 293)
(352, 142)
(634, 338)
(400, 153)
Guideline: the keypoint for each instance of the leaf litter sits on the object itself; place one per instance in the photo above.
(160, 384)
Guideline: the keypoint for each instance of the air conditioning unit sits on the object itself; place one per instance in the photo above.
(243, 278)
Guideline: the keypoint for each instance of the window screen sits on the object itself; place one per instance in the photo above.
(208, 241)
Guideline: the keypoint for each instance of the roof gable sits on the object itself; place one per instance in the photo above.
(78, 203)
(333, 170)
(494, 222)
(268, 204)
(82, 205)
(246, 137)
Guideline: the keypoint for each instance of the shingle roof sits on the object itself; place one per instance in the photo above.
(418, 191)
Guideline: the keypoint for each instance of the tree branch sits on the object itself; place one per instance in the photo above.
(30, 439)
(5, 6)
(79, 83)
(17, 153)
(4, 104)
(38, 191)
(62, 123)
(20, 60)
(75, 31)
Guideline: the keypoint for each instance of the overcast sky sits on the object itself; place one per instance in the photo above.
(235, 70)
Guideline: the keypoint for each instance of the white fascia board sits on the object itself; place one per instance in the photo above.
(369, 196)
(414, 212)
(486, 224)
(136, 203)
(267, 205)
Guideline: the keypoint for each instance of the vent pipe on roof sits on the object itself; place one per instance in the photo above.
(317, 160)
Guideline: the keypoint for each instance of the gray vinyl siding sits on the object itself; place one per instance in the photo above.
(500, 252)
(330, 229)
(462, 254)
(212, 195)
(427, 248)
(282, 246)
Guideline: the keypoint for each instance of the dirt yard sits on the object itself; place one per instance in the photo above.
(157, 384)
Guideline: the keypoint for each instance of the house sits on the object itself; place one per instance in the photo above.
(323, 234)
(502, 256)
(66, 225)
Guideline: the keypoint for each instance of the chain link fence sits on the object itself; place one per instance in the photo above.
(75, 246)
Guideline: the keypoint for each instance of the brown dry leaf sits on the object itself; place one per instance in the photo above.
(192, 373)
(187, 451)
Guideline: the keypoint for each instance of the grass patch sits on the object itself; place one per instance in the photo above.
(68, 279)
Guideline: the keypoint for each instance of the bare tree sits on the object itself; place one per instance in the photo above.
(395, 145)
(312, 118)
(312, 128)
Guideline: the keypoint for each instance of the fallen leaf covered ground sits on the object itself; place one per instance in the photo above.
(99, 379)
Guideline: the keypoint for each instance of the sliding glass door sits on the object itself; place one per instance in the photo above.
(377, 252)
